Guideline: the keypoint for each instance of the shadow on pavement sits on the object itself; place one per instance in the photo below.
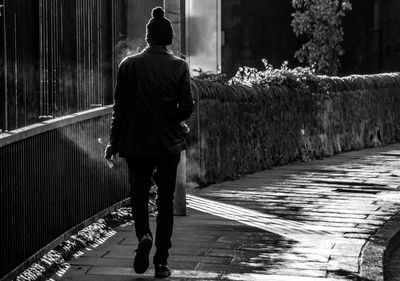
(348, 274)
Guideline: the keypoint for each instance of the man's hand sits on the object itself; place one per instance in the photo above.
(109, 152)
(185, 128)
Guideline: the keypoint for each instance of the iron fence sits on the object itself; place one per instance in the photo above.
(53, 177)
(58, 57)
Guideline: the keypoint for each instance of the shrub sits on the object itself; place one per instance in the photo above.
(298, 79)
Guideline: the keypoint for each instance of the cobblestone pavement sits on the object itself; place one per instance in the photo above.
(306, 221)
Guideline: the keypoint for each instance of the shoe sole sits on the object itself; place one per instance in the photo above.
(141, 262)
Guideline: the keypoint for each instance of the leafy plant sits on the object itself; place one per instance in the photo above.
(299, 78)
(320, 21)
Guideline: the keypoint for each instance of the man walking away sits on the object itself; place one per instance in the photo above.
(152, 98)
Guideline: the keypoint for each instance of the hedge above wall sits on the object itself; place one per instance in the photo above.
(238, 129)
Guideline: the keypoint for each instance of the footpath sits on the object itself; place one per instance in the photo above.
(316, 221)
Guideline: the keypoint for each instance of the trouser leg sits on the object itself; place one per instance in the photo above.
(165, 179)
(140, 173)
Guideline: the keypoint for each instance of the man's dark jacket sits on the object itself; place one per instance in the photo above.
(151, 98)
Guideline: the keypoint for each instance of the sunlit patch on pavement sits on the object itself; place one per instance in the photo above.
(274, 224)
(389, 196)
(263, 277)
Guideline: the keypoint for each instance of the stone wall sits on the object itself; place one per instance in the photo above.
(238, 130)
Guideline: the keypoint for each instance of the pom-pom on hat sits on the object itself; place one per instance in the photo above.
(159, 29)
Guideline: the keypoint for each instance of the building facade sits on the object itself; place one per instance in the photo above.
(221, 35)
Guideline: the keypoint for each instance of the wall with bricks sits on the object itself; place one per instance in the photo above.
(238, 130)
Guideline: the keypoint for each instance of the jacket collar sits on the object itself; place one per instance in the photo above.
(157, 49)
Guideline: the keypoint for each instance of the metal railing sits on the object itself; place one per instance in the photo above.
(65, 62)
(53, 177)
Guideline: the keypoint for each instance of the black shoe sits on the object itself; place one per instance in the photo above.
(162, 271)
(141, 262)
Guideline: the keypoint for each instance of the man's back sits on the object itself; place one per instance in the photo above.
(153, 94)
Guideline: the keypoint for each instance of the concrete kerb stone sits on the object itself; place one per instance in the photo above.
(378, 250)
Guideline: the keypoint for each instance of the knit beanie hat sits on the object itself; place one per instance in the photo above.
(159, 29)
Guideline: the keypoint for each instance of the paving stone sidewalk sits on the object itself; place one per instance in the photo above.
(305, 221)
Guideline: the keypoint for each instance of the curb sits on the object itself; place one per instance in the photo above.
(378, 250)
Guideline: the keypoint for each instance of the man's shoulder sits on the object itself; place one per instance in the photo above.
(178, 61)
(130, 59)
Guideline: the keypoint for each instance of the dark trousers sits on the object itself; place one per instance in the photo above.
(141, 170)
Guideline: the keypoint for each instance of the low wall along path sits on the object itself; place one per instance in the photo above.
(238, 129)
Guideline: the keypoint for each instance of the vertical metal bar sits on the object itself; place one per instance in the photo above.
(22, 187)
(15, 70)
(3, 192)
(99, 62)
(46, 52)
(85, 29)
(60, 106)
(41, 56)
(96, 48)
(81, 55)
(45, 38)
(48, 56)
(91, 15)
(13, 191)
(219, 38)
(55, 30)
(62, 61)
(188, 30)
(88, 54)
(89, 33)
(53, 55)
(27, 62)
(89, 45)
(83, 62)
(91, 52)
(112, 43)
(44, 57)
(57, 109)
(58, 64)
(5, 67)
(101, 53)
(79, 51)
